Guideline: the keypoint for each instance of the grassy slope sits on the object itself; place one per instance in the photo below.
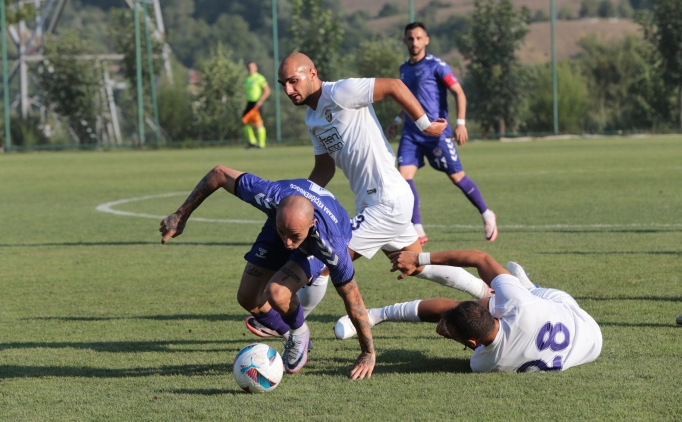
(99, 321)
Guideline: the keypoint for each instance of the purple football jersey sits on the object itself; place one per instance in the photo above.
(428, 79)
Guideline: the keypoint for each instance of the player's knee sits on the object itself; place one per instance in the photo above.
(457, 177)
(278, 296)
(247, 300)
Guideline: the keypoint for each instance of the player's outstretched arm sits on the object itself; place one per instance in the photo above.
(219, 177)
(355, 308)
(396, 89)
(407, 262)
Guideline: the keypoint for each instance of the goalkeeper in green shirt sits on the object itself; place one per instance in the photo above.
(257, 91)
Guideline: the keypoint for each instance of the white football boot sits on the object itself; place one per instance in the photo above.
(344, 328)
(295, 353)
(517, 271)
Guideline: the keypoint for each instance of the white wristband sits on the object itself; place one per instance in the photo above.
(461, 122)
(398, 120)
(424, 258)
(423, 122)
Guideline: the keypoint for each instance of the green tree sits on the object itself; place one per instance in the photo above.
(495, 82)
(381, 58)
(607, 9)
(122, 31)
(572, 99)
(221, 96)
(589, 8)
(318, 33)
(69, 85)
(663, 28)
(616, 73)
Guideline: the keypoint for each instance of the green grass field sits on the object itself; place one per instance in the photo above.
(99, 321)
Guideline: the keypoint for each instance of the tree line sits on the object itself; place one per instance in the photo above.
(633, 84)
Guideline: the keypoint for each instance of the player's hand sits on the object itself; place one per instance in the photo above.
(172, 226)
(404, 261)
(461, 135)
(364, 365)
(391, 129)
(437, 127)
(442, 329)
(258, 105)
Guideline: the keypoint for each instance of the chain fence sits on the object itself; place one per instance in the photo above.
(102, 73)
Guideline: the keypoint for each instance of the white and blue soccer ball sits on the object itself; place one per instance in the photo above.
(258, 368)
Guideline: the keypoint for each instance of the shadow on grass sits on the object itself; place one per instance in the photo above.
(16, 371)
(205, 391)
(394, 361)
(173, 346)
(323, 318)
(636, 324)
(639, 298)
(129, 243)
(613, 253)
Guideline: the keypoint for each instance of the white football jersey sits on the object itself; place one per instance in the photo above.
(345, 126)
(540, 330)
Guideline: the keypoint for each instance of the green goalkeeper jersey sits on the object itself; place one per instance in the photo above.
(254, 86)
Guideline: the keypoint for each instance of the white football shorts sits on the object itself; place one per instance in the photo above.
(386, 226)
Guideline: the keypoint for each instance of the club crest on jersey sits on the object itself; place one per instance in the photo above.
(438, 152)
(261, 253)
(328, 115)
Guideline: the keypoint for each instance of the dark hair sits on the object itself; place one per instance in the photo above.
(413, 25)
(470, 319)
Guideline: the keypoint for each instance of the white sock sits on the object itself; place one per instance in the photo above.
(487, 214)
(399, 312)
(311, 296)
(455, 277)
(300, 330)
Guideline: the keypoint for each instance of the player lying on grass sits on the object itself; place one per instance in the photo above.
(304, 221)
(346, 134)
(521, 328)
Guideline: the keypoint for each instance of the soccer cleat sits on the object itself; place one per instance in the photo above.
(295, 353)
(421, 235)
(517, 271)
(259, 329)
(490, 225)
(344, 328)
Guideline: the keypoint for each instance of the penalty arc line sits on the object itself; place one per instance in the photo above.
(107, 208)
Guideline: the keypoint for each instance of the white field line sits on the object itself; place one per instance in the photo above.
(107, 207)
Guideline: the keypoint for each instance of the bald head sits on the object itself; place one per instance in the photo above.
(295, 216)
(298, 76)
(297, 62)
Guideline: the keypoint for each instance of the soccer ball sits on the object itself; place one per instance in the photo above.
(258, 368)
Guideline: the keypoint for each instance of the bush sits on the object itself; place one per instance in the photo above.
(572, 99)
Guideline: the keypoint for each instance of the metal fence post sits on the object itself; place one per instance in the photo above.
(555, 100)
(275, 59)
(138, 63)
(5, 81)
(152, 78)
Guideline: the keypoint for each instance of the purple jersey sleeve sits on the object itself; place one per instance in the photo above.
(262, 194)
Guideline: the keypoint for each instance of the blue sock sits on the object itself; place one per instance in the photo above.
(273, 320)
(416, 216)
(472, 193)
(294, 319)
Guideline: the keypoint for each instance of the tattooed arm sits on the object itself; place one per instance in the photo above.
(219, 177)
(355, 307)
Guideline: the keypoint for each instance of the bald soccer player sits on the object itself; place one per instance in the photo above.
(346, 134)
(306, 227)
